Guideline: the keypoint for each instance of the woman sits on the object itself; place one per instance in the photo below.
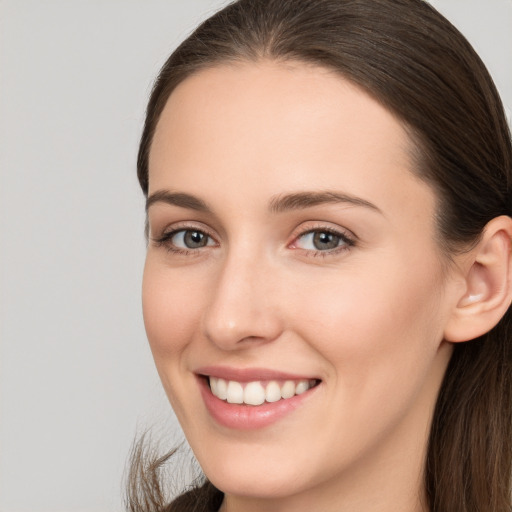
(327, 284)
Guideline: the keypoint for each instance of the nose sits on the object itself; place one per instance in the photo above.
(242, 310)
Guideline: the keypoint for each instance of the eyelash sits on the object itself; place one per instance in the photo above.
(165, 240)
(347, 241)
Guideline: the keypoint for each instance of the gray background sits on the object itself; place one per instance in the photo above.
(76, 375)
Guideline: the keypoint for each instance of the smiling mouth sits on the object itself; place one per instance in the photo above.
(258, 392)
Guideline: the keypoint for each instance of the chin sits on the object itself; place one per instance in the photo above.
(257, 471)
(256, 484)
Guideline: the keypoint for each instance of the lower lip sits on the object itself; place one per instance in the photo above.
(249, 417)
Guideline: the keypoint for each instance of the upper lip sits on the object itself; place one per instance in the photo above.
(248, 374)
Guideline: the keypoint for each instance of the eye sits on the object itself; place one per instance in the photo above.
(189, 239)
(185, 241)
(322, 240)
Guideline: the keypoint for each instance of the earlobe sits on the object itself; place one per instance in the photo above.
(488, 290)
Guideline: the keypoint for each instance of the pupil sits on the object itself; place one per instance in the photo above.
(194, 239)
(323, 240)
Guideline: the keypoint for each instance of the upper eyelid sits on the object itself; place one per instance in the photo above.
(175, 227)
(334, 231)
(323, 226)
(166, 237)
(348, 241)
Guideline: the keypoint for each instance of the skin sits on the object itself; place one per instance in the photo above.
(367, 318)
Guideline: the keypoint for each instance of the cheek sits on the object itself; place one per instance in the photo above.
(379, 332)
(375, 324)
(171, 306)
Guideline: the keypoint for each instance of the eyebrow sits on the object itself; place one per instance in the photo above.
(177, 199)
(278, 204)
(300, 200)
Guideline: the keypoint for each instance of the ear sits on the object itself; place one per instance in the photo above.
(488, 284)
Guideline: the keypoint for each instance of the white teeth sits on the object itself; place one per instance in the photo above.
(222, 389)
(302, 387)
(288, 389)
(214, 386)
(272, 392)
(235, 393)
(253, 393)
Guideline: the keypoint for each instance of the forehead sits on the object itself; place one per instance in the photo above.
(272, 127)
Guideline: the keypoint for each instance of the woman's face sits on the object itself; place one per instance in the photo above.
(292, 250)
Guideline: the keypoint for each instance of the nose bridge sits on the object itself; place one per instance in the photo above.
(240, 306)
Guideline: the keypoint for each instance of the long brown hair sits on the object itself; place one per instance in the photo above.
(413, 61)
